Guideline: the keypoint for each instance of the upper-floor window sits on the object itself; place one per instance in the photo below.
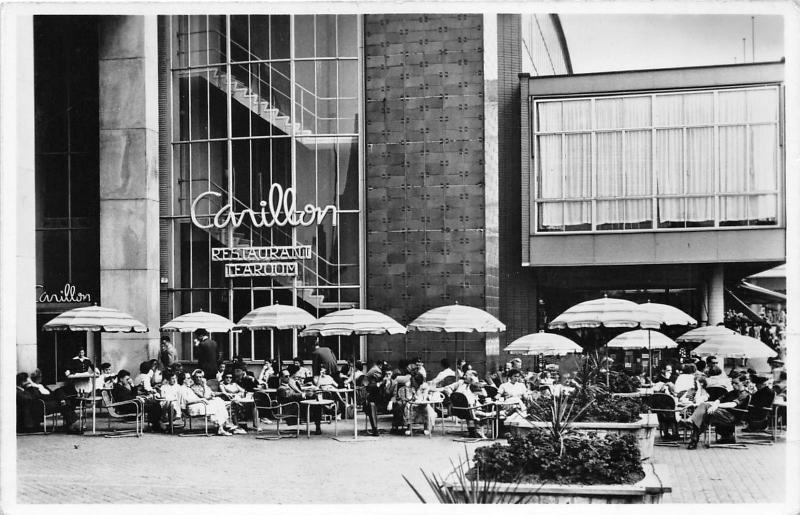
(658, 161)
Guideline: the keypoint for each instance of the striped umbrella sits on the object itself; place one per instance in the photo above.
(548, 344)
(191, 322)
(456, 318)
(642, 339)
(701, 334)
(277, 316)
(606, 312)
(353, 321)
(95, 318)
(668, 315)
(734, 346)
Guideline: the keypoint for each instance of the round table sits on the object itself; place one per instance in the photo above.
(321, 403)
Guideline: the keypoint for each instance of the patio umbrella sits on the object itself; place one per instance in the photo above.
(456, 318)
(734, 346)
(353, 321)
(642, 339)
(701, 334)
(191, 322)
(276, 316)
(606, 312)
(93, 319)
(668, 315)
(548, 344)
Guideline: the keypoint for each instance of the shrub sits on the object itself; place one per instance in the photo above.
(587, 459)
(594, 405)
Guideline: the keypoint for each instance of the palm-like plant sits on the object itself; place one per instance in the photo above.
(472, 490)
(562, 414)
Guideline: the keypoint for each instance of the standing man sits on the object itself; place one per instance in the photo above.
(167, 355)
(205, 349)
(324, 356)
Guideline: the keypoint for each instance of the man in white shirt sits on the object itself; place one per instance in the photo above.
(444, 374)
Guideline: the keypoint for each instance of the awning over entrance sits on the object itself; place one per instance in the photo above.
(745, 309)
(759, 294)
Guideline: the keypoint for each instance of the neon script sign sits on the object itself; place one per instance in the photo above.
(280, 209)
(67, 294)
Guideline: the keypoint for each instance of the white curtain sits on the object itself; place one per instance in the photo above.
(610, 181)
(764, 172)
(550, 183)
(733, 171)
(577, 178)
(638, 176)
(669, 174)
(700, 173)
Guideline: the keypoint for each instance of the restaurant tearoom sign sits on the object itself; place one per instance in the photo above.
(261, 261)
(279, 210)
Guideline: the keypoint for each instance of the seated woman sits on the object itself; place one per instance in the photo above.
(346, 376)
(169, 393)
(697, 395)
(196, 405)
(685, 380)
(267, 371)
(514, 389)
(402, 392)
(143, 383)
(421, 413)
(716, 379)
(327, 383)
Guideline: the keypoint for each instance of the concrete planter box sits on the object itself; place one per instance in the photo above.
(650, 490)
(644, 430)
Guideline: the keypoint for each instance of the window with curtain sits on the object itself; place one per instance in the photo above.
(658, 161)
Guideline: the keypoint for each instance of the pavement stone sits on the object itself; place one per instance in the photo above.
(61, 468)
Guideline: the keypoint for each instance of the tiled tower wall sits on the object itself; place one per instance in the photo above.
(425, 177)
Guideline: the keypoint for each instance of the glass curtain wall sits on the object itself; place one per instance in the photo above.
(660, 161)
(259, 100)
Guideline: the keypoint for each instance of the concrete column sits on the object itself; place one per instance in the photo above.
(25, 198)
(716, 295)
(491, 181)
(129, 236)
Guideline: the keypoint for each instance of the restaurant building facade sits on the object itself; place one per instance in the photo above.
(396, 162)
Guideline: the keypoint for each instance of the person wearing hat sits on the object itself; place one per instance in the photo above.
(760, 403)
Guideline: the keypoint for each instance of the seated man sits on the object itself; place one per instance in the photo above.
(124, 391)
(244, 379)
(757, 412)
(468, 387)
(57, 401)
(378, 387)
(718, 414)
(289, 390)
(716, 379)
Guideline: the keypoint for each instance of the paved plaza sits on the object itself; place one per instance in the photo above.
(159, 468)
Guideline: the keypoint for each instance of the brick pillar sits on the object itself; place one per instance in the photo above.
(129, 236)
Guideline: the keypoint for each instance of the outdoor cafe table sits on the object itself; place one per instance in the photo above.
(500, 405)
(80, 381)
(319, 402)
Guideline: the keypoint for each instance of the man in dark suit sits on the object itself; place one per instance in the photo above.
(758, 411)
(289, 391)
(124, 391)
(205, 351)
(324, 356)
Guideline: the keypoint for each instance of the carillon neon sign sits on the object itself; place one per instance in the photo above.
(280, 209)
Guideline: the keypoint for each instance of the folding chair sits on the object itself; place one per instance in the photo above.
(187, 416)
(459, 406)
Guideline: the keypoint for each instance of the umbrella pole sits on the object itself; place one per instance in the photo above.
(649, 357)
(355, 397)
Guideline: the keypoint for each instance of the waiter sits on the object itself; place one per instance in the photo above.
(205, 350)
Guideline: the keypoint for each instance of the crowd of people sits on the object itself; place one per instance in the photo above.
(704, 395)
(166, 392)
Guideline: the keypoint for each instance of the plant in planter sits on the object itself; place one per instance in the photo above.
(554, 463)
